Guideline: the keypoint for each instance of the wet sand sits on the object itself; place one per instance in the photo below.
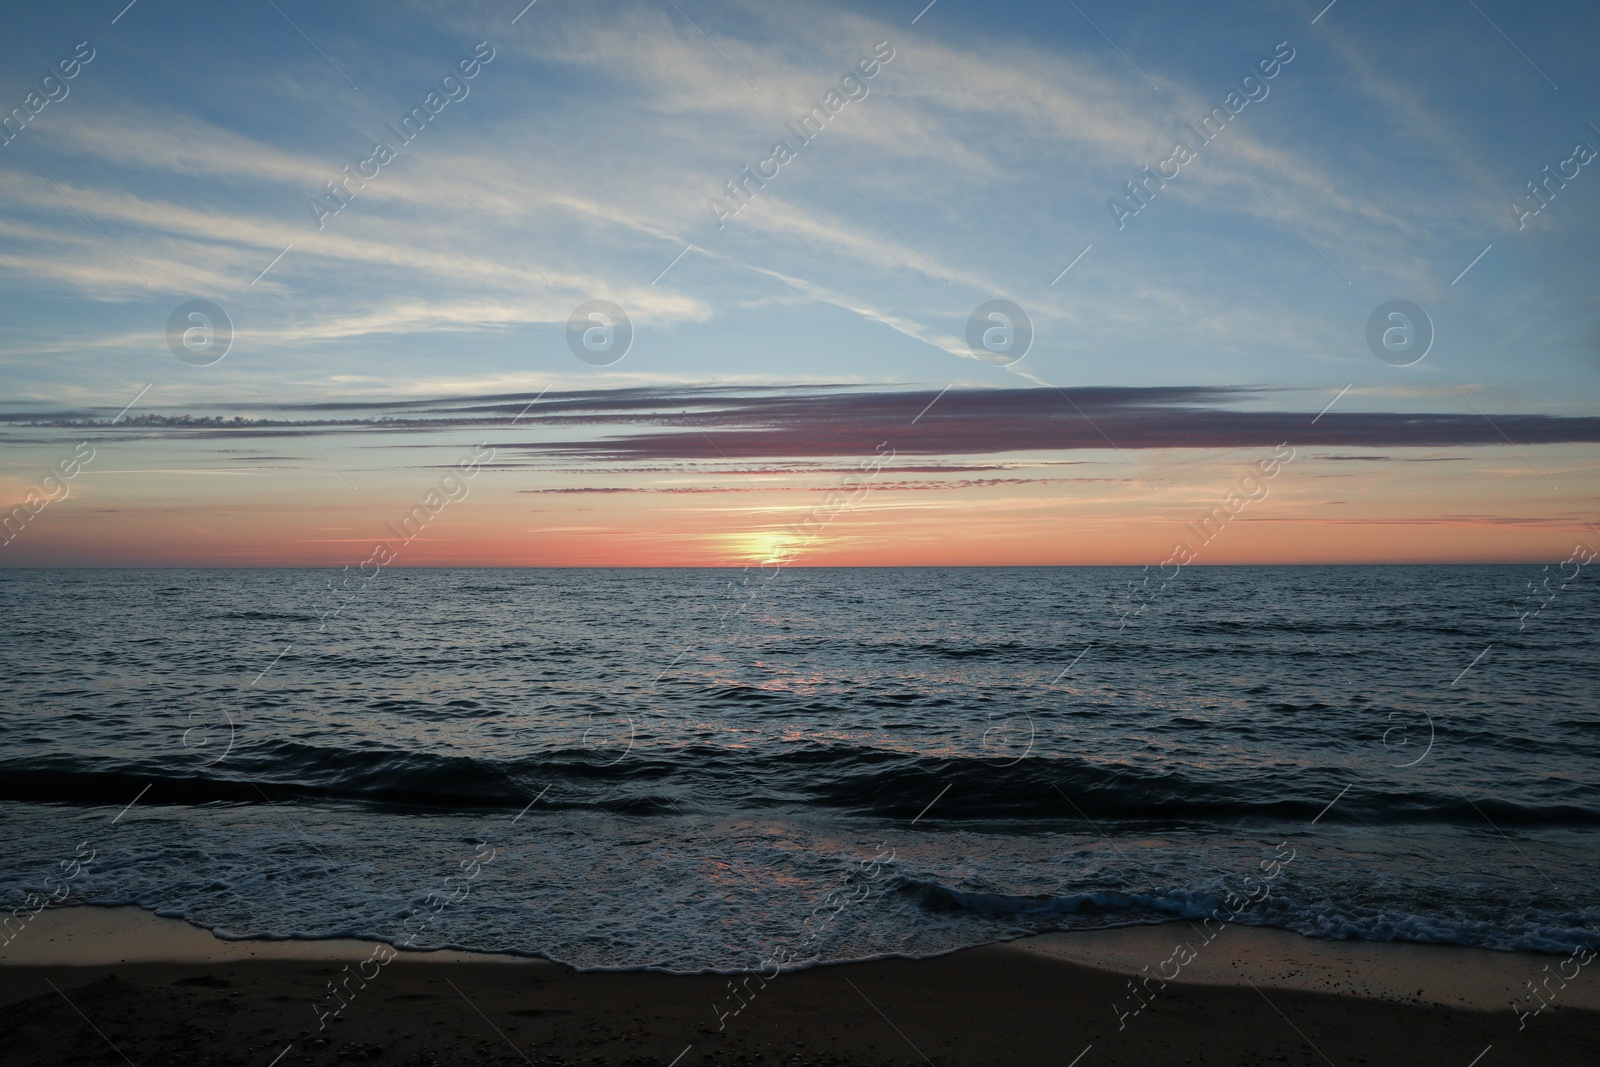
(118, 986)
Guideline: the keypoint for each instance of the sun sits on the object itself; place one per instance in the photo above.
(764, 546)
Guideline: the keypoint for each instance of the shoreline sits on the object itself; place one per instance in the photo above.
(1456, 976)
(93, 985)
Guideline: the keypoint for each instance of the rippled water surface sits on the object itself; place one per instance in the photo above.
(699, 768)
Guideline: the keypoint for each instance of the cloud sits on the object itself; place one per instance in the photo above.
(711, 425)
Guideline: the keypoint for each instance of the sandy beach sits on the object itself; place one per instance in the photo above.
(95, 985)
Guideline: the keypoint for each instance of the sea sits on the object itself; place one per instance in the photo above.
(725, 769)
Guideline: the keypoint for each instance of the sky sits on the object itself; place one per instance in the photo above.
(392, 224)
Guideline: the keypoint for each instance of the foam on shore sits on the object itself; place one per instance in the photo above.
(1447, 975)
(100, 937)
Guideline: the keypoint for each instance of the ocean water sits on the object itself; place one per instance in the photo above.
(716, 769)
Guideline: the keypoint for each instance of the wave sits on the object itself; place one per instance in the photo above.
(1109, 904)
(1010, 794)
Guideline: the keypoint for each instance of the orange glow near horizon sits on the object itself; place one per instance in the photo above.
(1132, 524)
(159, 507)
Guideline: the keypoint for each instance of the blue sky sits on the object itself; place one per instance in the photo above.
(1380, 162)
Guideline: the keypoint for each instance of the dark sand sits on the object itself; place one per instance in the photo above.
(115, 986)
